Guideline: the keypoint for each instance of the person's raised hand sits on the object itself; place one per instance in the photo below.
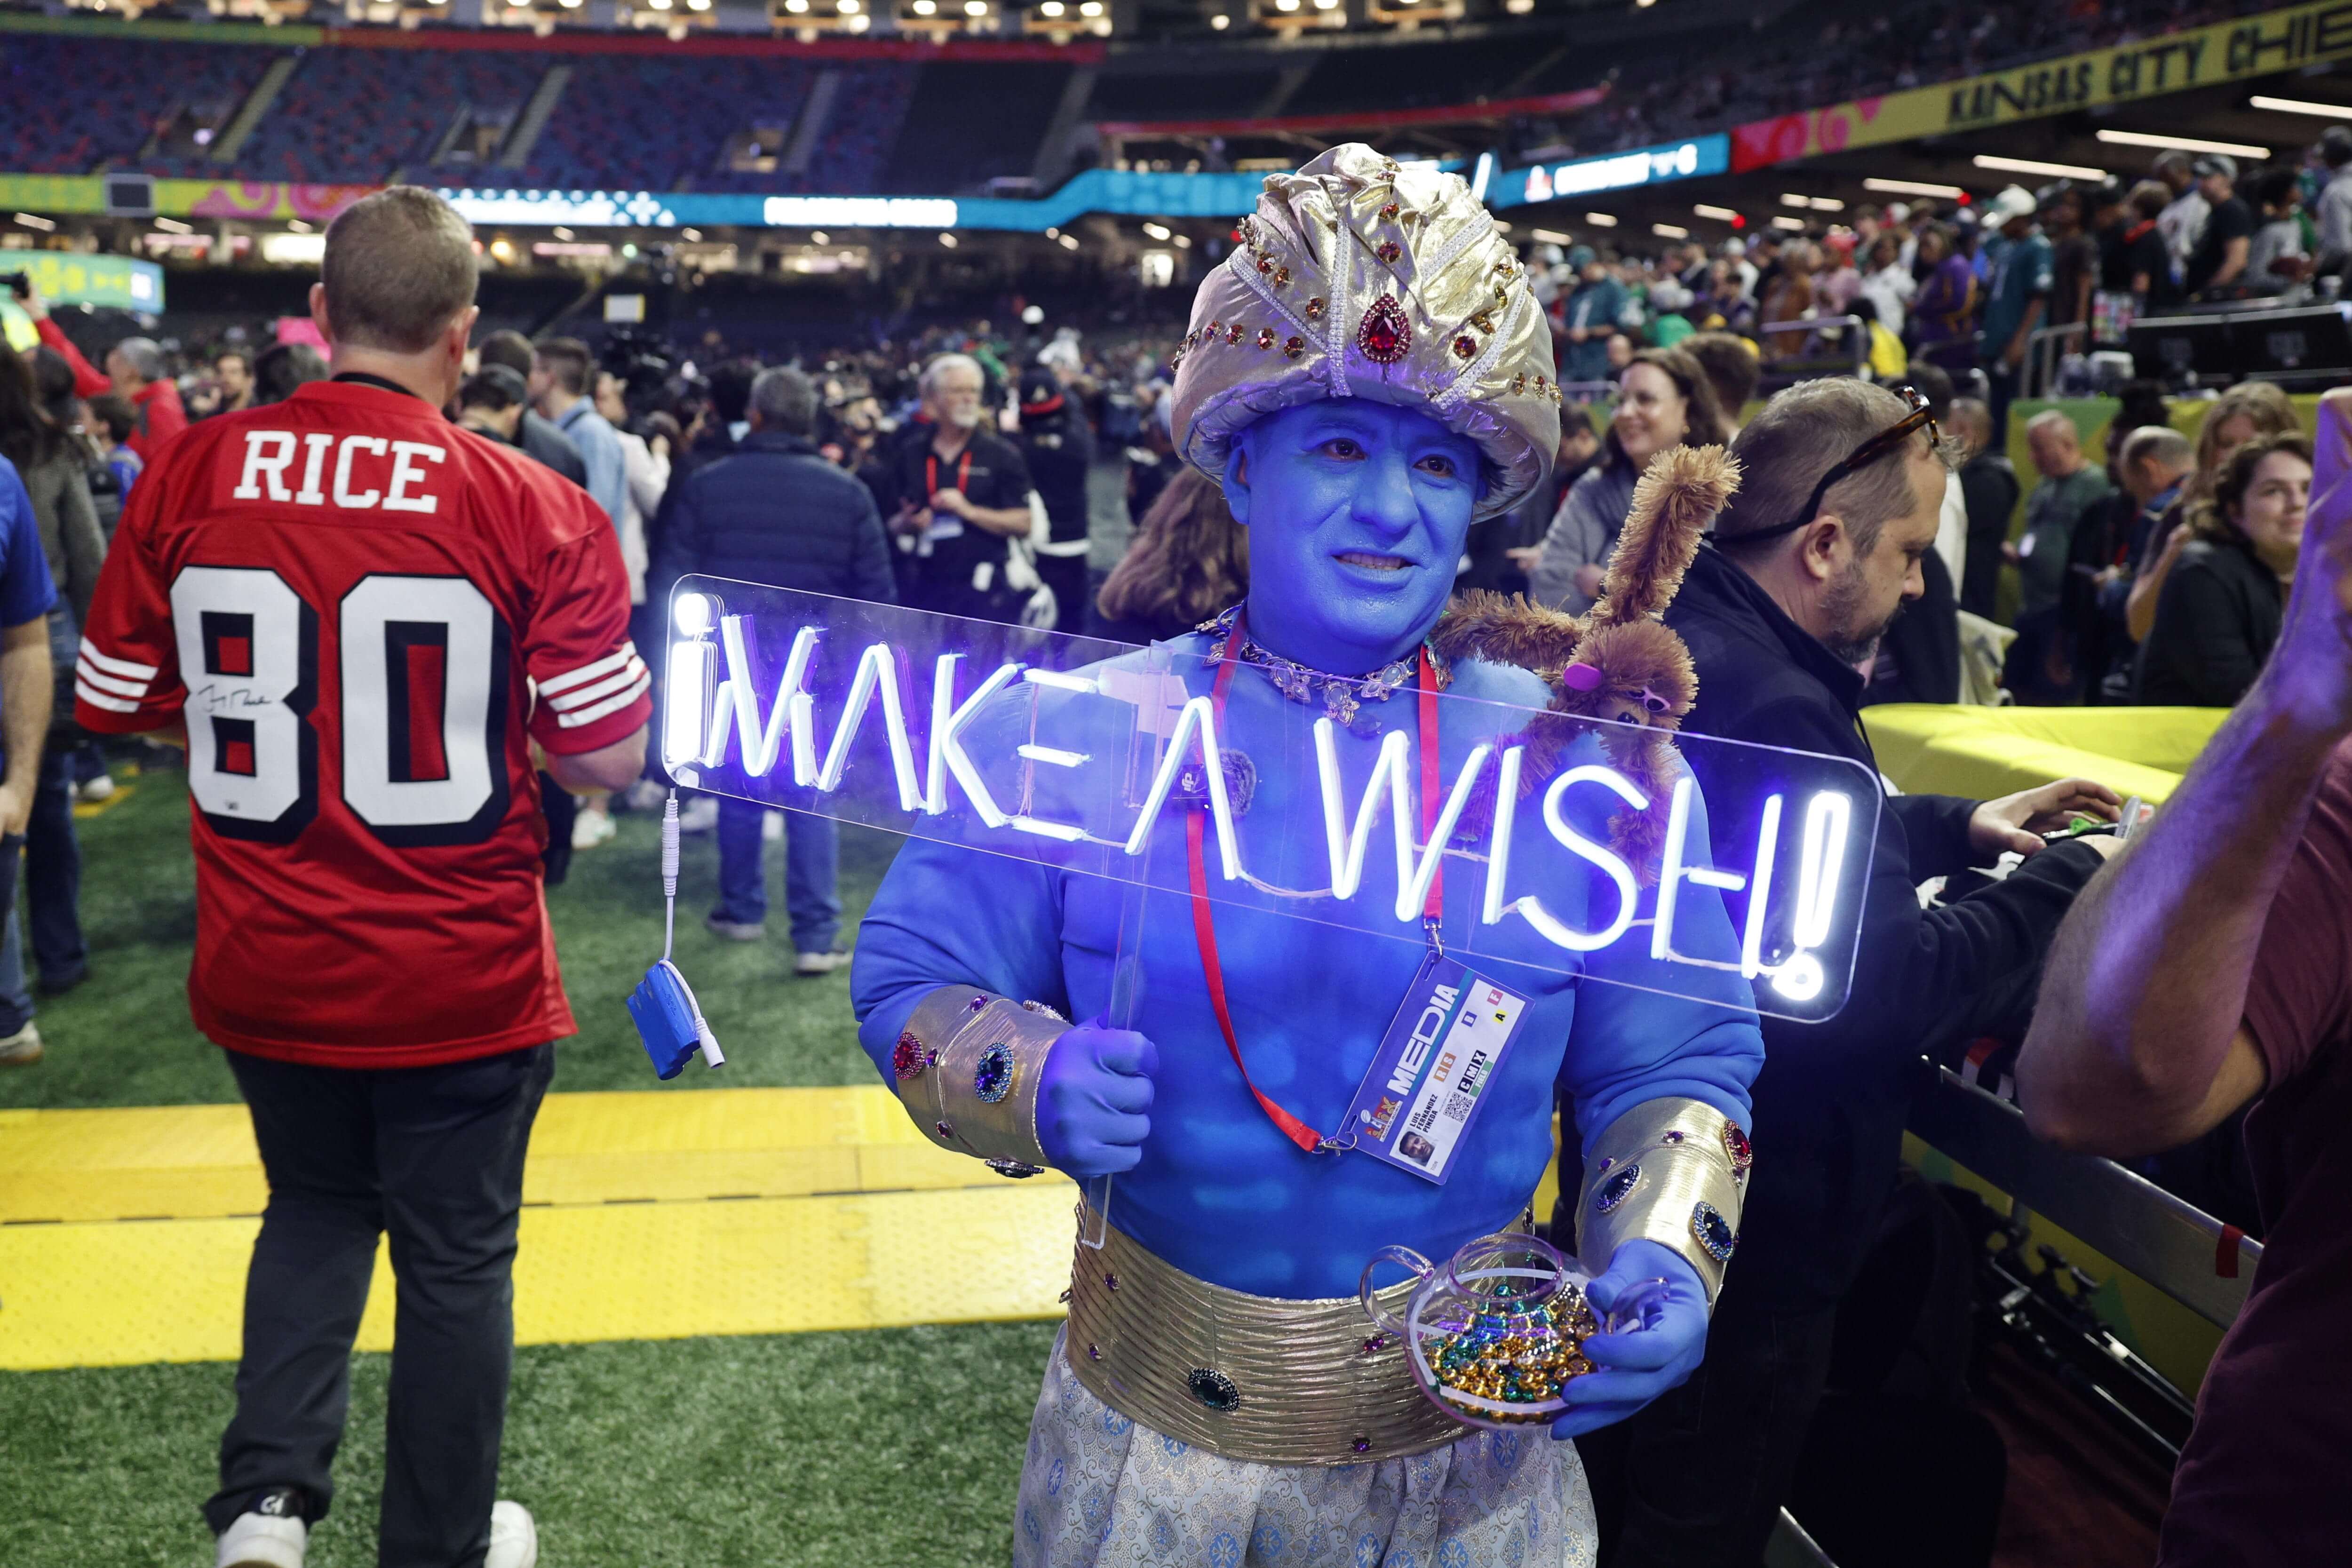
(1092, 1099)
(2017, 821)
(2310, 670)
(1635, 1366)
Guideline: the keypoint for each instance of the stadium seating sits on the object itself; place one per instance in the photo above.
(654, 120)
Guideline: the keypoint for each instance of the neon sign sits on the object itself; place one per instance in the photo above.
(1088, 756)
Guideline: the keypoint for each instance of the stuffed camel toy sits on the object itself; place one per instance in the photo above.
(1616, 670)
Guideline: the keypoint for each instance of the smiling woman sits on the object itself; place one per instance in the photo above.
(1356, 513)
(1664, 399)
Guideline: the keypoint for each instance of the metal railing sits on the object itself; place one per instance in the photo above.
(1853, 337)
(2203, 1264)
(2042, 355)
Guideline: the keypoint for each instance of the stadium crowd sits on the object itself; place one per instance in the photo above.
(1026, 473)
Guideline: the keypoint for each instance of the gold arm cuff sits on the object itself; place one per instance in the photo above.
(1668, 1171)
(967, 1068)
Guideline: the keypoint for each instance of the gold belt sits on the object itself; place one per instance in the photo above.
(1258, 1378)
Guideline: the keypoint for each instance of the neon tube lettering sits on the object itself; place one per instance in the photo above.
(1673, 871)
(1614, 868)
(948, 755)
(1200, 717)
(1829, 820)
(1768, 845)
(756, 743)
(688, 702)
(1498, 842)
(877, 674)
(1412, 896)
(1347, 846)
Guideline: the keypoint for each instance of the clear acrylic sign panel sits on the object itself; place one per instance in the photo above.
(1087, 756)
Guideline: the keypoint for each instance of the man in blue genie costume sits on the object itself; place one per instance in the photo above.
(1368, 373)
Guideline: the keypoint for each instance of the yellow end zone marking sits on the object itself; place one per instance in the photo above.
(124, 1235)
(121, 1293)
(198, 1161)
(122, 792)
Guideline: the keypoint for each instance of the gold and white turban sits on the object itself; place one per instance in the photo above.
(1360, 278)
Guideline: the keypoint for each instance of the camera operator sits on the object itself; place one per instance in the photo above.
(1059, 447)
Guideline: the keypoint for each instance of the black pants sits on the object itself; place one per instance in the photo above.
(435, 1156)
(1696, 1479)
(1072, 603)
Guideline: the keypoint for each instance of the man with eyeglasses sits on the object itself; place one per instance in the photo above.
(1841, 484)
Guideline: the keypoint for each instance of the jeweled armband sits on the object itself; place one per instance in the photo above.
(967, 1068)
(1668, 1171)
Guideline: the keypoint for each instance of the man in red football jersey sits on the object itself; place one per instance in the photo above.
(362, 616)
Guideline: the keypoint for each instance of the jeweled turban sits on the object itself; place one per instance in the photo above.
(1360, 278)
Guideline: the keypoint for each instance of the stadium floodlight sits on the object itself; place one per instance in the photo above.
(1220, 21)
(847, 7)
(2183, 144)
(2301, 106)
(698, 4)
(1720, 215)
(948, 239)
(1159, 231)
(1912, 188)
(1549, 236)
(1783, 220)
(1518, 7)
(975, 7)
(1091, 7)
(1669, 231)
(1601, 220)
(2037, 166)
(1050, 8)
(1286, 5)
(926, 7)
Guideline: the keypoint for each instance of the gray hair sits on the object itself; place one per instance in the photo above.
(144, 355)
(786, 399)
(930, 378)
(1802, 434)
(1976, 415)
(2051, 418)
(2157, 443)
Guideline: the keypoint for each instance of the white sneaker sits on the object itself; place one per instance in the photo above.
(514, 1538)
(644, 796)
(772, 827)
(699, 815)
(23, 1048)
(591, 828)
(263, 1540)
(809, 966)
(98, 789)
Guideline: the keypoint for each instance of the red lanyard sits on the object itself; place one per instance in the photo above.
(931, 474)
(1204, 929)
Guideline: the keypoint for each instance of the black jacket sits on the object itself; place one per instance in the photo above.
(1059, 447)
(544, 442)
(2215, 626)
(774, 511)
(1830, 1100)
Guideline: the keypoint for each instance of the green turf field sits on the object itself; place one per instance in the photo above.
(876, 1449)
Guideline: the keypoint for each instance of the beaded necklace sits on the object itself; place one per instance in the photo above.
(1342, 696)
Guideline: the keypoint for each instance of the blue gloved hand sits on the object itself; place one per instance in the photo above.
(1092, 1097)
(1635, 1367)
